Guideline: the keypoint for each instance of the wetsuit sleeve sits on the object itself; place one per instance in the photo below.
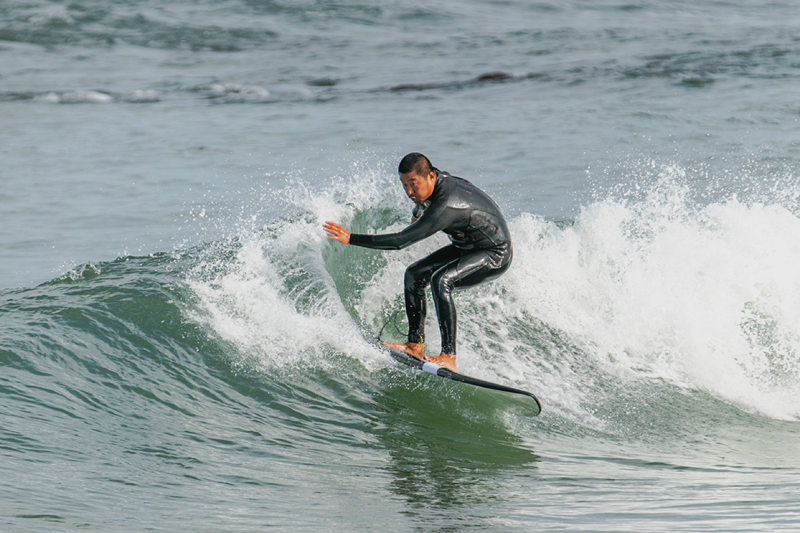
(432, 220)
(419, 210)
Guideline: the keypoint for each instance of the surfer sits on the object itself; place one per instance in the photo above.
(480, 249)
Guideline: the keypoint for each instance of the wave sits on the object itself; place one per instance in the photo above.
(645, 306)
(633, 292)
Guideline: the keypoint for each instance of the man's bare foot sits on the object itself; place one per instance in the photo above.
(417, 351)
(444, 360)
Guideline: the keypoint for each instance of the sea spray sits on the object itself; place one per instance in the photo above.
(661, 288)
(278, 292)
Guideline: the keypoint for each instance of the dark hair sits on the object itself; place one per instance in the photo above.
(416, 163)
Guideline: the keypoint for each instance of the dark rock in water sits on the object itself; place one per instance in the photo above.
(494, 76)
(413, 87)
(697, 83)
(322, 82)
(488, 77)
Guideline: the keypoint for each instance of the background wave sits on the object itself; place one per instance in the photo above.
(692, 53)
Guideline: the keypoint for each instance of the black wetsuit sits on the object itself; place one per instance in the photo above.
(481, 251)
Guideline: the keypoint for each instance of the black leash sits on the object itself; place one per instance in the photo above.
(393, 320)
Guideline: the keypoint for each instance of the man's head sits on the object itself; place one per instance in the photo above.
(418, 176)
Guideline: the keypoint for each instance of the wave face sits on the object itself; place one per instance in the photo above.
(208, 384)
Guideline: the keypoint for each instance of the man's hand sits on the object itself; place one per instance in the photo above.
(337, 233)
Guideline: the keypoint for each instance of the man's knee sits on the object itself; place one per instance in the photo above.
(413, 278)
(443, 280)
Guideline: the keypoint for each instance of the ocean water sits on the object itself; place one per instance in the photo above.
(181, 349)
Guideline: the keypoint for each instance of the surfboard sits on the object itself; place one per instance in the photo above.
(525, 401)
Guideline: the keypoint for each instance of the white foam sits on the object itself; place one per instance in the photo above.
(49, 98)
(250, 306)
(90, 97)
(706, 297)
(142, 96)
(249, 303)
(237, 92)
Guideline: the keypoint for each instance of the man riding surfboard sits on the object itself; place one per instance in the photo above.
(480, 249)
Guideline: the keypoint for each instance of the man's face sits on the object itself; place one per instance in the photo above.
(418, 188)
